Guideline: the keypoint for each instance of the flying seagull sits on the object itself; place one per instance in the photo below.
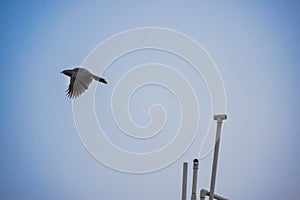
(80, 79)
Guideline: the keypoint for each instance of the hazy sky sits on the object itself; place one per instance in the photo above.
(255, 45)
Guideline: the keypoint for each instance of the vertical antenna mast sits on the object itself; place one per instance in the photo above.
(195, 174)
(184, 180)
(219, 119)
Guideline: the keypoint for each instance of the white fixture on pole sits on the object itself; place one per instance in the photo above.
(204, 193)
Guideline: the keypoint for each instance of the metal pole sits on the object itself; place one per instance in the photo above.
(219, 119)
(195, 173)
(184, 180)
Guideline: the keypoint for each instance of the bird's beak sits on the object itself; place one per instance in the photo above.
(61, 72)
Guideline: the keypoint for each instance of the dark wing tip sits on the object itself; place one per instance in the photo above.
(102, 80)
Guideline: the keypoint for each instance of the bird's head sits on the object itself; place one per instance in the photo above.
(67, 72)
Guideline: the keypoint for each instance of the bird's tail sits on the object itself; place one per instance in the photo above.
(97, 78)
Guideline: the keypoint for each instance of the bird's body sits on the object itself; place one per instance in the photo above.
(80, 79)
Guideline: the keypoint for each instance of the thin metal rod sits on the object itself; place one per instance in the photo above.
(195, 175)
(184, 180)
(219, 119)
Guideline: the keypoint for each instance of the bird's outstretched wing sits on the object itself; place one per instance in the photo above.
(79, 82)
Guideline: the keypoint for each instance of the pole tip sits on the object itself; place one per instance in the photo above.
(196, 161)
(220, 117)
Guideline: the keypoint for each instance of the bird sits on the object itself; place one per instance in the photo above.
(80, 79)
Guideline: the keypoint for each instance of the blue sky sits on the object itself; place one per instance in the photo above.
(255, 45)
